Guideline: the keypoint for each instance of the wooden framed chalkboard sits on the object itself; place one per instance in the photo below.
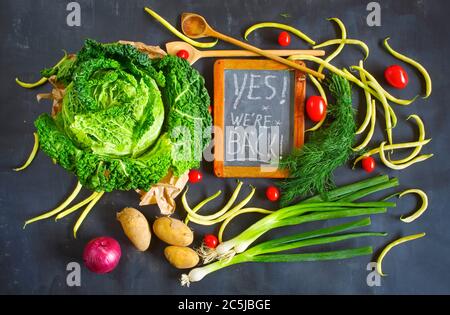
(258, 116)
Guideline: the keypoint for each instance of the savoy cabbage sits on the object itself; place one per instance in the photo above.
(126, 119)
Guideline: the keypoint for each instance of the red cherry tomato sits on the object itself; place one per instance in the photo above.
(183, 54)
(210, 109)
(396, 76)
(195, 176)
(316, 108)
(210, 240)
(272, 193)
(368, 164)
(284, 39)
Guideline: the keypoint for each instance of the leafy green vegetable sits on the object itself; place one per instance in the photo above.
(311, 167)
(126, 120)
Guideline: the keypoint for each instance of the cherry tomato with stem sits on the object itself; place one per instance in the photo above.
(368, 164)
(284, 39)
(272, 193)
(210, 241)
(316, 108)
(195, 176)
(396, 76)
(183, 54)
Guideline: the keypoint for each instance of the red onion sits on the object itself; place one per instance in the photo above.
(102, 254)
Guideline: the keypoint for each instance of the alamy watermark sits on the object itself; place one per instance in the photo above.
(74, 16)
(73, 278)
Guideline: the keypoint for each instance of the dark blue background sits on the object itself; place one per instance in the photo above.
(34, 260)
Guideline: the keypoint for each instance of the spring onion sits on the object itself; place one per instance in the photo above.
(418, 66)
(280, 26)
(242, 211)
(422, 207)
(265, 252)
(391, 245)
(340, 203)
(32, 154)
(58, 209)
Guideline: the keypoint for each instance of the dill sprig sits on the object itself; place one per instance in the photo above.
(311, 167)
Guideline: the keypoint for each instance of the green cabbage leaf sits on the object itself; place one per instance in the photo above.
(126, 119)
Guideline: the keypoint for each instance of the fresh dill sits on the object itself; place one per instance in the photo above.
(311, 167)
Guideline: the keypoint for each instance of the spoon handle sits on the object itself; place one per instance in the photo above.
(246, 53)
(258, 51)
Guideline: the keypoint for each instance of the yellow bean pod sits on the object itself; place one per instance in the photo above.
(341, 44)
(418, 66)
(58, 209)
(422, 207)
(384, 92)
(280, 26)
(177, 33)
(192, 212)
(41, 80)
(76, 207)
(32, 154)
(371, 130)
(387, 112)
(396, 146)
(86, 212)
(347, 42)
(202, 203)
(369, 106)
(393, 244)
(418, 148)
(204, 220)
(33, 84)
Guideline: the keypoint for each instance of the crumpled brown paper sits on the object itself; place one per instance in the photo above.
(151, 51)
(164, 192)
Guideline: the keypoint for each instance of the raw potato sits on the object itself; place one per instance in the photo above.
(173, 231)
(136, 227)
(181, 257)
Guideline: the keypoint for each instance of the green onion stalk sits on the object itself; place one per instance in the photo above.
(266, 252)
(339, 203)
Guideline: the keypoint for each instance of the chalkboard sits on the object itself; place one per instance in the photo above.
(258, 116)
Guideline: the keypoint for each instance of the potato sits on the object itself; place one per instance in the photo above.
(173, 231)
(136, 227)
(181, 257)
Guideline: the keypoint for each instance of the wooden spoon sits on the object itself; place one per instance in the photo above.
(195, 26)
(194, 54)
